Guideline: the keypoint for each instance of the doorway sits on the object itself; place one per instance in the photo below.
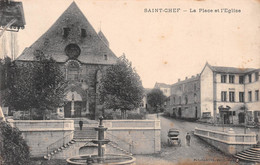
(196, 112)
(179, 112)
(241, 117)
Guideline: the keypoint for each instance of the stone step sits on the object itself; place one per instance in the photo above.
(248, 159)
(60, 149)
(251, 152)
(252, 155)
(248, 154)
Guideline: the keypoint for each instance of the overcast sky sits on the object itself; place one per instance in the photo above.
(162, 46)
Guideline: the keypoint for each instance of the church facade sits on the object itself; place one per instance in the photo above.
(82, 54)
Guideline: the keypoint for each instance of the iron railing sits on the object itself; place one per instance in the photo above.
(59, 143)
(128, 146)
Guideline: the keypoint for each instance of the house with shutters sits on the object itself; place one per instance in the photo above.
(230, 95)
(224, 95)
(82, 54)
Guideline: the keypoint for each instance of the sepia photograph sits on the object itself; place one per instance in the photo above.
(120, 82)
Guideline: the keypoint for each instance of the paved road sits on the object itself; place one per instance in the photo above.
(198, 153)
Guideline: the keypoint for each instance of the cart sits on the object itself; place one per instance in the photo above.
(173, 138)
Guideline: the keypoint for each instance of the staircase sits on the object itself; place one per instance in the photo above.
(115, 145)
(52, 152)
(252, 154)
(86, 133)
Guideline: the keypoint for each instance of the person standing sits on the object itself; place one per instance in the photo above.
(188, 139)
(80, 124)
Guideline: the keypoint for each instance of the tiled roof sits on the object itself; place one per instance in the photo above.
(231, 69)
(194, 78)
(53, 43)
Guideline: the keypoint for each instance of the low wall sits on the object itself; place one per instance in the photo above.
(136, 136)
(228, 142)
(40, 134)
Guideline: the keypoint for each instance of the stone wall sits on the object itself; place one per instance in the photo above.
(136, 136)
(229, 143)
(40, 134)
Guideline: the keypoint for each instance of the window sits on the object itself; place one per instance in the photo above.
(195, 98)
(257, 95)
(231, 79)
(206, 114)
(66, 32)
(173, 100)
(232, 113)
(249, 96)
(83, 33)
(241, 97)
(232, 96)
(256, 76)
(241, 79)
(195, 87)
(250, 78)
(223, 96)
(179, 99)
(186, 99)
(73, 71)
(223, 78)
(105, 57)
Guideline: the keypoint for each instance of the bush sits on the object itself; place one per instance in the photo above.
(135, 116)
(14, 149)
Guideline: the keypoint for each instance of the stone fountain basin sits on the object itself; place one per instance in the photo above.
(108, 159)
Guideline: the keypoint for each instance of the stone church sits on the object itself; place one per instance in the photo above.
(82, 54)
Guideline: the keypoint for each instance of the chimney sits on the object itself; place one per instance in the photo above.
(192, 76)
(198, 75)
(186, 78)
(179, 80)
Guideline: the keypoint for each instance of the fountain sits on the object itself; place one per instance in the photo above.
(101, 158)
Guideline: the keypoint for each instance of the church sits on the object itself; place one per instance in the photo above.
(82, 54)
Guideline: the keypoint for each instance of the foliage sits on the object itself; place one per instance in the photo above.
(14, 149)
(5, 65)
(156, 98)
(121, 87)
(36, 86)
(135, 116)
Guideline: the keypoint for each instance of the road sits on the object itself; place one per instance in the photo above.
(199, 152)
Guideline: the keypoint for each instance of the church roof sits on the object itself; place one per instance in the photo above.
(103, 37)
(93, 50)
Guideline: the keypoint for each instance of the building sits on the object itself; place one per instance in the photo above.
(229, 94)
(165, 88)
(184, 100)
(224, 95)
(83, 55)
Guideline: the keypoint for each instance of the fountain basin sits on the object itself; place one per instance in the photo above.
(108, 159)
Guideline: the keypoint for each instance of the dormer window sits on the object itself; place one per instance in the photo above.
(83, 33)
(105, 57)
(66, 32)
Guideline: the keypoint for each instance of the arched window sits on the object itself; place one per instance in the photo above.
(73, 70)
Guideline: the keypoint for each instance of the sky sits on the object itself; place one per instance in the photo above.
(165, 46)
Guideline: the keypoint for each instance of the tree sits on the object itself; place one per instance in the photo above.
(121, 87)
(13, 149)
(5, 65)
(36, 86)
(156, 98)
